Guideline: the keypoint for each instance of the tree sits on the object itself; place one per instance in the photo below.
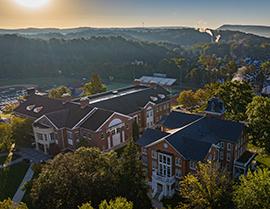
(135, 130)
(258, 118)
(253, 191)
(75, 178)
(118, 203)
(57, 93)
(265, 67)
(6, 138)
(95, 86)
(208, 188)
(236, 96)
(21, 131)
(187, 99)
(8, 204)
(132, 181)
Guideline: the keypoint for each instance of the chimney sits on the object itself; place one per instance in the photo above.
(66, 98)
(84, 102)
(31, 91)
(153, 84)
(136, 82)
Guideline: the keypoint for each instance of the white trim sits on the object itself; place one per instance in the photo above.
(152, 103)
(44, 116)
(84, 118)
(115, 113)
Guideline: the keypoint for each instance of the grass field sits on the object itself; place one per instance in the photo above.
(11, 179)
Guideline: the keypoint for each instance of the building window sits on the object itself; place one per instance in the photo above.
(229, 146)
(154, 154)
(221, 155)
(154, 165)
(144, 150)
(39, 136)
(52, 136)
(222, 145)
(164, 165)
(69, 138)
(228, 156)
(102, 136)
(192, 165)
(178, 173)
(178, 161)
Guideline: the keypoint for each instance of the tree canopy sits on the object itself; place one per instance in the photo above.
(8, 204)
(208, 188)
(258, 118)
(95, 86)
(88, 175)
(59, 92)
(253, 191)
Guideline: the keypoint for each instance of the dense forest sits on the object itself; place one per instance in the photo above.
(184, 53)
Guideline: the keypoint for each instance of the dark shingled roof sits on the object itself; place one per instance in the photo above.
(151, 135)
(69, 116)
(177, 119)
(97, 119)
(133, 102)
(49, 105)
(197, 134)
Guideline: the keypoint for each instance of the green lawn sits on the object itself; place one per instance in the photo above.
(11, 179)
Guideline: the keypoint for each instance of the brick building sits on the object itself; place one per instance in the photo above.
(186, 139)
(103, 120)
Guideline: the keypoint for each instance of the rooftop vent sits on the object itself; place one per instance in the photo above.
(30, 107)
(115, 92)
(154, 99)
(38, 109)
(161, 96)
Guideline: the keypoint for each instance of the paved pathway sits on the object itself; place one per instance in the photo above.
(20, 191)
(33, 155)
(12, 163)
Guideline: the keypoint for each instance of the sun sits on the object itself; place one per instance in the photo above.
(32, 3)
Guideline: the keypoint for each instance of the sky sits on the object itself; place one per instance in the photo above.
(134, 13)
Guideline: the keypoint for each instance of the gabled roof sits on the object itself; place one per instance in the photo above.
(194, 140)
(177, 119)
(132, 102)
(49, 105)
(97, 119)
(151, 135)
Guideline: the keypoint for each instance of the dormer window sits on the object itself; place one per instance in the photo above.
(161, 96)
(154, 99)
(38, 109)
(30, 107)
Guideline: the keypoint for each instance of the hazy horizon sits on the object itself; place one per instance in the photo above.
(128, 14)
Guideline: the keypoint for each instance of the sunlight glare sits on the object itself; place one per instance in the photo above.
(32, 3)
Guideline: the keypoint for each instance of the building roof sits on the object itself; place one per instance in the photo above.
(97, 119)
(130, 100)
(151, 135)
(67, 114)
(194, 138)
(162, 81)
(177, 119)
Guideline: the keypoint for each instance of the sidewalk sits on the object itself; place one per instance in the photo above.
(20, 192)
(12, 163)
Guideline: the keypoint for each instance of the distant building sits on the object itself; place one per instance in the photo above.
(186, 139)
(103, 120)
(158, 79)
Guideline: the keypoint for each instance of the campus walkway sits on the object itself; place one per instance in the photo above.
(12, 163)
(20, 192)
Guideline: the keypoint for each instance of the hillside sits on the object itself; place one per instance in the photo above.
(253, 29)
